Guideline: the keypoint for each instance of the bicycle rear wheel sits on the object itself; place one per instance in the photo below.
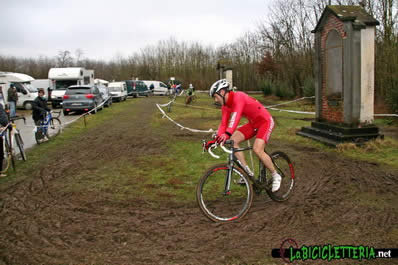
(54, 127)
(221, 206)
(284, 167)
(18, 140)
(39, 134)
(188, 100)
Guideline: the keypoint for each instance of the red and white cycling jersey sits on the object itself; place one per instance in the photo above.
(240, 104)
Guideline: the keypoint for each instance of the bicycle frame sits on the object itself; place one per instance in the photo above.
(233, 160)
(45, 123)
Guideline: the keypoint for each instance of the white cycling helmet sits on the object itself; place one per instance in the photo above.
(218, 86)
(190, 86)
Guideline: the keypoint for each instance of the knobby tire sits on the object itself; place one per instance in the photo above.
(284, 167)
(221, 207)
(18, 140)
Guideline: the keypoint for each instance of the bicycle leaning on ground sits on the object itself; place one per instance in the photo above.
(49, 127)
(225, 192)
(11, 134)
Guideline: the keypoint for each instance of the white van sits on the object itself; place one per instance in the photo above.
(62, 78)
(118, 91)
(160, 88)
(26, 92)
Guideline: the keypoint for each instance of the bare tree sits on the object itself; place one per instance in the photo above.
(64, 58)
(78, 56)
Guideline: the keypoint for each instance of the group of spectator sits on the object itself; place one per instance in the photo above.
(39, 111)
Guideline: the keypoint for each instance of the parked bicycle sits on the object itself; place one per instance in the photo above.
(49, 127)
(225, 192)
(11, 135)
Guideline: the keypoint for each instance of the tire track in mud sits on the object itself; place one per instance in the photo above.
(43, 225)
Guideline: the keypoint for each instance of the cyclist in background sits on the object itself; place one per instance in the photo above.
(190, 90)
(234, 106)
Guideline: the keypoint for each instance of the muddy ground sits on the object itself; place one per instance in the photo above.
(336, 200)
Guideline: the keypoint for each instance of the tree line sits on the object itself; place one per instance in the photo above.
(277, 57)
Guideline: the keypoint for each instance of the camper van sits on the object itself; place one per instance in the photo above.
(26, 92)
(118, 91)
(62, 78)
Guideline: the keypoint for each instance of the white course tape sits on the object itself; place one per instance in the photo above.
(89, 112)
(386, 115)
(69, 122)
(271, 107)
(182, 127)
(195, 107)
(284, 103)
(168, 103)
(293, 111)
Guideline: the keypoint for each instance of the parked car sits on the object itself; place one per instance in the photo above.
(81, 98)
(118, 91)
(159, 88)
(139, 88)
(106, 95)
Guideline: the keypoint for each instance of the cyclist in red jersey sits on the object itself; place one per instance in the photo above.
(234, 106)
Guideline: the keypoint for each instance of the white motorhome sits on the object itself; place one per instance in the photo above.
(26, 92)
(62, 78)
(118, 91)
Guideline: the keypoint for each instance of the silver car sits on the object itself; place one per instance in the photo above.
(81, 98)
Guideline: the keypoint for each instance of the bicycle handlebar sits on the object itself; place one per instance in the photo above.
(215, 145)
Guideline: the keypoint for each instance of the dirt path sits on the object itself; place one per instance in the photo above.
(336, 201)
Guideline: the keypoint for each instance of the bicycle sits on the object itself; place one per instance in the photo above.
(49, 127)
(11, 134)
(225, 192)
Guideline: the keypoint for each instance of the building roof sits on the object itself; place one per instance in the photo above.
(356, 14)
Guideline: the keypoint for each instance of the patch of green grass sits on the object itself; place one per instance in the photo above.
(287, 124)
(379, 151)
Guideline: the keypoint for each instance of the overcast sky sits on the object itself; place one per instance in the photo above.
(104, 29)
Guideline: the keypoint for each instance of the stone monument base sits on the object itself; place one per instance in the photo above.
(334, 134)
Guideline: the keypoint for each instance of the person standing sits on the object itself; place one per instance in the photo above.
(39, 107)
(3, 123)
(12, 99)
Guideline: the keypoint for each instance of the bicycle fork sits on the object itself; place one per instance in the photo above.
(228, 177)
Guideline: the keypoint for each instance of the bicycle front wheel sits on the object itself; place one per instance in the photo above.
(18, 140)
(284, 167)
(6, 157)
(9, 154)
(39, 134)
(54, 127)
(221, 205)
